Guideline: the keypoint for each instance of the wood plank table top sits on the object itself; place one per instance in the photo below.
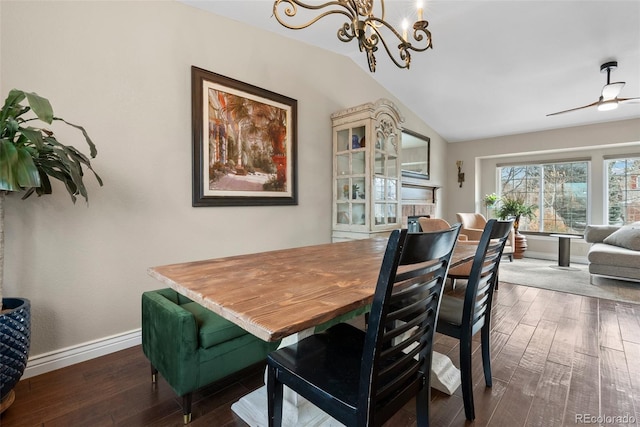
(278, 293)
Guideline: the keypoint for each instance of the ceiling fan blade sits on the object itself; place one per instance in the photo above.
(629, 100)
(574, 109)
(612, 90)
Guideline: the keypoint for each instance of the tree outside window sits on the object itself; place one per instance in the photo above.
(623, 189)
(560, 190)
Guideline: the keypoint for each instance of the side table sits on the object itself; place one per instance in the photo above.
(564, 248)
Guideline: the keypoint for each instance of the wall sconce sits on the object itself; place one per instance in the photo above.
(460, 173)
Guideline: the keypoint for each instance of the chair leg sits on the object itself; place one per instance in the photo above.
(186, 407)
(154, 375)
(423, 400)
(465, 374)
(274, 398)
(486, 355)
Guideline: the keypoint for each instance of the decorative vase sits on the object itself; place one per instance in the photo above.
(520, 244)
(15, 338)
(516, 224)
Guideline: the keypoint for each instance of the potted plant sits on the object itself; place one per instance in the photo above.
(515, 207)
(29, 156)
(489, 201)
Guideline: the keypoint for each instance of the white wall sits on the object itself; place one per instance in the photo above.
(480, 159)
(122, 69)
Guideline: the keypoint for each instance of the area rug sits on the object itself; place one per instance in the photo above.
(545, 274)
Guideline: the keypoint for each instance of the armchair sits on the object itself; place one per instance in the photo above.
(192, 346)
(436, 224)
(473, 225)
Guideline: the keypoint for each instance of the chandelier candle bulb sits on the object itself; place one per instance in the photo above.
(405, 26)
(419, 5)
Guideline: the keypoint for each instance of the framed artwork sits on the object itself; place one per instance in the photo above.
(244, 143)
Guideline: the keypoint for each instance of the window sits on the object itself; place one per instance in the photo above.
(559, 191)
(623, 189)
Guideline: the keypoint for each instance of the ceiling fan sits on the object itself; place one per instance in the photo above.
(609, 98)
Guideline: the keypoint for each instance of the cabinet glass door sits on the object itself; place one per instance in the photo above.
(385, 182)
(351, 184)
(385, 200)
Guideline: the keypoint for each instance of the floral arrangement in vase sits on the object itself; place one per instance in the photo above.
(490, 201)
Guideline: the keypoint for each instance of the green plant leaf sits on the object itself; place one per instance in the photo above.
(56, 163)
(71, 151)
(40, 106)
(14, 98)
(8, 157)
(33, 135)
(31, 156)
(92, 148)
(25, 170)
(515, 206)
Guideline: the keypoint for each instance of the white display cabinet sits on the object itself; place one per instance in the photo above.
(366, 171)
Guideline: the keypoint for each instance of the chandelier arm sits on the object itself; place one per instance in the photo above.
(294, 3)
(404, 47)
(346, 33)
(363, 7)
(291, 9)
(420, 32)
(405, 56)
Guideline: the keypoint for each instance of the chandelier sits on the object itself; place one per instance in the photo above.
(363, 26)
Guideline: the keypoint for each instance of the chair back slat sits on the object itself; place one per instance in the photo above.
(397, 361)
(399, 337)
(484, 272)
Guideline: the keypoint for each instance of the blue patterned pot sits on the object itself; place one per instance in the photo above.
(15, 337)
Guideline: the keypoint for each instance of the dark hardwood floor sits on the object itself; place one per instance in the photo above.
(558, 360)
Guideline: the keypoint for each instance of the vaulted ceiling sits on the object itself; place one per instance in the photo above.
(497, 67)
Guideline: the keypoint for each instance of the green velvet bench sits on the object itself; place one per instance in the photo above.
(191, 346)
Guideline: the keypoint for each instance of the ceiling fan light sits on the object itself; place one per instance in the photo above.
(610, 104)
(612, 90)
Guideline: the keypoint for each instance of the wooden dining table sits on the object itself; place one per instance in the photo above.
(285, 294)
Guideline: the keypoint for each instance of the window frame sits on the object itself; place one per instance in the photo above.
(540, 218)
(606, 177)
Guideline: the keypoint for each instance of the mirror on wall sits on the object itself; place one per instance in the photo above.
(415, 154)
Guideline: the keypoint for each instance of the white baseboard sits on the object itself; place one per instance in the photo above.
(57, 359)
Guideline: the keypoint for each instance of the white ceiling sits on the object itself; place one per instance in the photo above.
(497, 67)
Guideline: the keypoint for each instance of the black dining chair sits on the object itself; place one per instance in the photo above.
(362, 378)
(463, 318)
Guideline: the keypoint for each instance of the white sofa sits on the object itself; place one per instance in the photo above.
(615, 251)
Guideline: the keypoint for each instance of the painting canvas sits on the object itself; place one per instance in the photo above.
(244, 143)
